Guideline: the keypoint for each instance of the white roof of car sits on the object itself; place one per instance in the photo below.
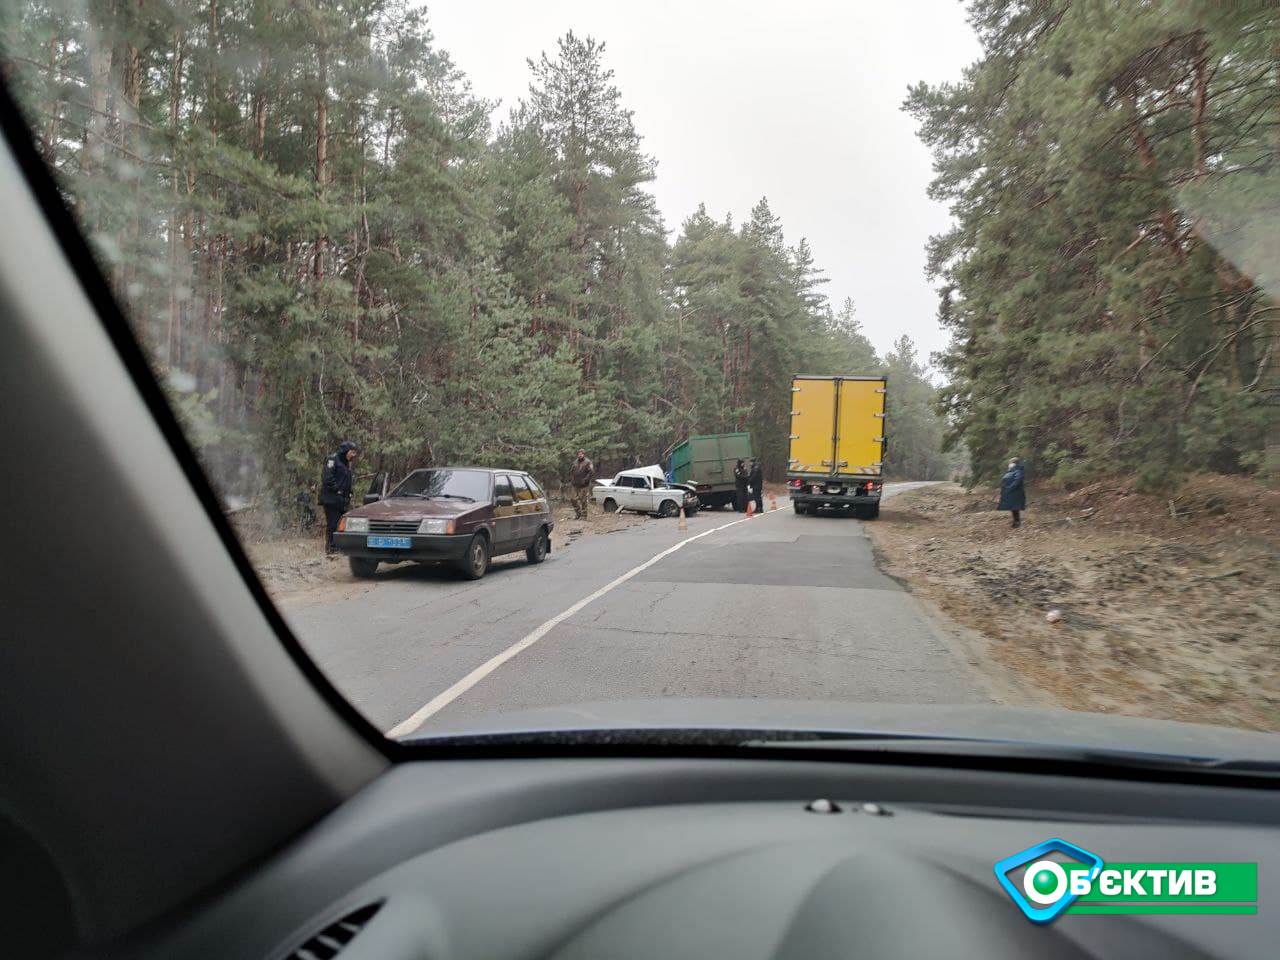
(654, 471)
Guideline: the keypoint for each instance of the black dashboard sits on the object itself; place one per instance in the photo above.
(596, 857)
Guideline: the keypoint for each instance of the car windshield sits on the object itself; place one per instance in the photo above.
(933, 348)
(457, 484)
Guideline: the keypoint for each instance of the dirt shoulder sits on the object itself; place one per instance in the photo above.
(1168, 608)
(294, 568)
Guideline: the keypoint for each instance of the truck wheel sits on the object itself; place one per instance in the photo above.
(799, 508)
(669, 508)
(474, 564)
(873, 512)
(537, 551)
(610, 505)
(362, 567)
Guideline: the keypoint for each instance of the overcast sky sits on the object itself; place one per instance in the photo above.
(799, 102)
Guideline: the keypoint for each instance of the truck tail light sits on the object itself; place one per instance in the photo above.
(796, 484)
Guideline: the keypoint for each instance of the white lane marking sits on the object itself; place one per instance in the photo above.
(439, 702)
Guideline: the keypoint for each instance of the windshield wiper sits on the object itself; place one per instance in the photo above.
(435, 496)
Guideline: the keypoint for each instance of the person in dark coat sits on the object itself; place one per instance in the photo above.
(740, 478)
(1013, 491)
(335, 488)
(756, 478)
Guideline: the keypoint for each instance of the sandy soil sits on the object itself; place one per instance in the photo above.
(1170, 608)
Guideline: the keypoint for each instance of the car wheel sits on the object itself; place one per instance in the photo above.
(363, 567)
(610, 505)
(475, 562)
(669, 508)
(537, 551)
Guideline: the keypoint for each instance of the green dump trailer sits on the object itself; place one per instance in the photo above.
(707, 462)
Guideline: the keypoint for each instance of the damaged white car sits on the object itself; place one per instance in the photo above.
(645, 490)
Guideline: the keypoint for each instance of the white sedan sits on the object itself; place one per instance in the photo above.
(645, 490)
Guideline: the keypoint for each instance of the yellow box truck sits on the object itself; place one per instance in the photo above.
(836, 458)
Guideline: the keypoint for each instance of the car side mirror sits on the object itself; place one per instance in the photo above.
(372, 497)
(502, 500)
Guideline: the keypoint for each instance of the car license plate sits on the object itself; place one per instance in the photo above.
(390, 543)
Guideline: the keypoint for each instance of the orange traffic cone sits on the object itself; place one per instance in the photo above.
(773, 502)
(751, 508)
(684, 524)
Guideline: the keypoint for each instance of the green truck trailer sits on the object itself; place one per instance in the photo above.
(707, 462)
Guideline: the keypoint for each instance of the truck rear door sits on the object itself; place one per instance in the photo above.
(813, 412)
(860, 439)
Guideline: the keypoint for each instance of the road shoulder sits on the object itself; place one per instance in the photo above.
(1165, 616)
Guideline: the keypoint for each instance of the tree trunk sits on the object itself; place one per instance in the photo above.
(322, 145)
(49, 142)
(175, 104)
(95, 129)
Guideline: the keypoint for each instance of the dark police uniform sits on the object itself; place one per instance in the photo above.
(335, 489)
(740, 483)
(756, 477)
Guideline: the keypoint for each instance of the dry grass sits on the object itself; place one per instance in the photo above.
(1171, 613)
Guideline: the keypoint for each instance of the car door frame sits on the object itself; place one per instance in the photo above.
(526, 511)
(636, 497)
(506, 520)
(643, 494)
(541, 511)
(620, 490)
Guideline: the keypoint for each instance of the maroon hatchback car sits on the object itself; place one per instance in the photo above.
(464, 515)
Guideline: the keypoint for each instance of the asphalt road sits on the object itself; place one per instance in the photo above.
(777, 606)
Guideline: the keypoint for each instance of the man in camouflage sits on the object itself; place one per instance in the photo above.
(581, 474)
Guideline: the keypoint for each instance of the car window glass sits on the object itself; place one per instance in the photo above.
(502, 487)
(522, 492)
(537, 490)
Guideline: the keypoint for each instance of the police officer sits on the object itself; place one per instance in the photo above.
(335, 488)
(756, 478)
(740, 478)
